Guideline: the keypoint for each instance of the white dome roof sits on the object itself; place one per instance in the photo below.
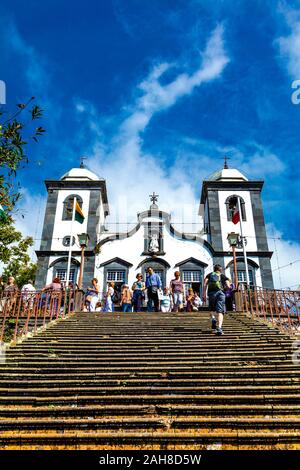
(227, 174)
(80, 174)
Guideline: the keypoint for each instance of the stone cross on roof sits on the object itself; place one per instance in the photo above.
(153, 198)
(226, 162)
(82, 162)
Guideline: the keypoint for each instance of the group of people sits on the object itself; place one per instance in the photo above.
(218, 289)
(10, 288)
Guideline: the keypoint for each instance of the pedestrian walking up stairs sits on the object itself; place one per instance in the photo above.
(151, 381)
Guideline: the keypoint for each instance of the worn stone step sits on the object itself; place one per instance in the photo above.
(216, 410)
(114, 380)
(91, 423)
(91, 381)
(246, 372)
(126, 390)
(151, 399)
(171, 437)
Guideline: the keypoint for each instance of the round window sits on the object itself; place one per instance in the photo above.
(66, 240)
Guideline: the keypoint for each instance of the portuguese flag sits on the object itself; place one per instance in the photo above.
(236, 216)
(79, 216)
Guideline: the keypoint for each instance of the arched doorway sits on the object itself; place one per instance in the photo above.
(160, 266)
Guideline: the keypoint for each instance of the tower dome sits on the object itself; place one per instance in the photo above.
(76, 174)
(227, 174)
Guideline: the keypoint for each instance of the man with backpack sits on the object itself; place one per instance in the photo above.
(215, 284)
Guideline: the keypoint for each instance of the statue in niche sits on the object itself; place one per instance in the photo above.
(154, 243)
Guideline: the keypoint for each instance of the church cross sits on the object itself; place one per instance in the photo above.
(226, 162)
(82, 161)
(153, 197)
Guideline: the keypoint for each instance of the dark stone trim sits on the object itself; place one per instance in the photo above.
(65, 260)
(154, 260)
(49, 219)
(158, 253)
(172, 230)
(88, 271)
(42, 272)
(266, 273)
(226, 185)
(80, 184)
(193, 261)
(257, 254)
(214, 220)
(63, 253)
(259, 221)
(116, 260)
(93, 216)
(219, 260)
(241, 260)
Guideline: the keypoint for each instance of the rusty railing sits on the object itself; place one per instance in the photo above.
(280, 307)
(25, 312)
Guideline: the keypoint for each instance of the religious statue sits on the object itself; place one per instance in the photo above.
(154, 243)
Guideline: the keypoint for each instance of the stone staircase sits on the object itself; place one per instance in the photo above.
(151, 381)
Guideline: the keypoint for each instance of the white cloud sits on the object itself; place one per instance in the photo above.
(29, 217)
(134, 173)
(285, 254)
(156, 97)
(263, 164)
(289, 45)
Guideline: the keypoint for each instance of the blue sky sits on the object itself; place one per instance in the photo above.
(155, 93)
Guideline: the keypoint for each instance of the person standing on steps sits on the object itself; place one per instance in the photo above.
(126, 299)
(189, 300)
(138, 295)
(153, 285)
(229, 297)
(166, 301)
(109, 297)
(92, 295)
(215, 284)
(177, 290)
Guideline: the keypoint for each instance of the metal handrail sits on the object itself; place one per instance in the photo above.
(279, 307)
(25, 312)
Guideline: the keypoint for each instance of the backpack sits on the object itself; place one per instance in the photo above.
(115, 297)
(214, 282)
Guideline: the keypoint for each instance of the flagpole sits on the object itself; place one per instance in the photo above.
(243, 243)
(71, 240)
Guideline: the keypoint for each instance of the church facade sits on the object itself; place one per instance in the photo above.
(153, 240)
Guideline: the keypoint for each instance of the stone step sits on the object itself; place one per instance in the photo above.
(120, 381)
(161, 439)
(240, 368)
(91, 381)
(143, 423)
(125, 390)
(215, 410)
(151, 399)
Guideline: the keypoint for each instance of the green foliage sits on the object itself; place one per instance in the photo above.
(14, 254)
(14, 136)
(12, 153)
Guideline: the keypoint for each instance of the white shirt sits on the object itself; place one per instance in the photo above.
(28, 288)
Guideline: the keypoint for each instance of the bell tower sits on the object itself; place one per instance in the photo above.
(219, 193)
(90, 193)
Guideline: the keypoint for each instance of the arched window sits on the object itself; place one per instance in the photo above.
(68, 206)
(232, 204)
(241, 271)
(60, 267)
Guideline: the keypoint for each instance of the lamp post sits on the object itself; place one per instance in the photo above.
(233, 240)
(83, 239)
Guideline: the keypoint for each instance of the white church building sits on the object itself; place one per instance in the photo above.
(153, 240)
